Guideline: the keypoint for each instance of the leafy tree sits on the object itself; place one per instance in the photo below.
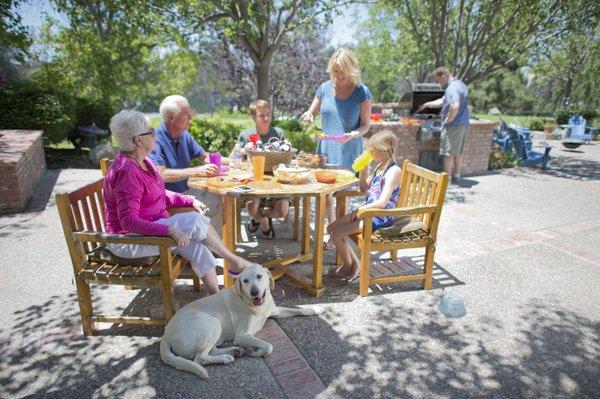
(258, 27)
(113, 50)
(13, 35)
(474, 38)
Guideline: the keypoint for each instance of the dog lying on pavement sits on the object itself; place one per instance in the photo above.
(234, 314)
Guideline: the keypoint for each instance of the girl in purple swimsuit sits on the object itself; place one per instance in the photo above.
(382, 186)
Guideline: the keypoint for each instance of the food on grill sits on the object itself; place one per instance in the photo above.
(309, 160)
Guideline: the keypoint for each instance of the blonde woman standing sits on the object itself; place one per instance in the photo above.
(345, 106)
(382, 187)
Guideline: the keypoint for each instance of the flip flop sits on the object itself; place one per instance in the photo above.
(269, 234)
(329, 245)
(253, 226)
(333, 272)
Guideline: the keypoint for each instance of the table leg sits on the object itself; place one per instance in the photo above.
(317, 279)
(305, 243)
(228, 234)
(341, 211)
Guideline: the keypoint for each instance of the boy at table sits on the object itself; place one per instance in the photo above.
(263, 210)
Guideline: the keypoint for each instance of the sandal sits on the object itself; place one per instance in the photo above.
(269, 234)
(353, 277)
(329, 245)
(253, 226)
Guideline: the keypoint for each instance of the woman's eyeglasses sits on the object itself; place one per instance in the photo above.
(149, 133)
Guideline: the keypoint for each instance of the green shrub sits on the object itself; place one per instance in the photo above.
(290, 125)
(536, 124)
(298, 134)
(214, 135)
(501, 159)
(25, 105)
(562, 115)
(90, 110)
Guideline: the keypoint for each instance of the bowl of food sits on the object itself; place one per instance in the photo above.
(326, 176)
(309, 160)
(293, 174)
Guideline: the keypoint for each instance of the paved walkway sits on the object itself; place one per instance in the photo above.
(521, 247)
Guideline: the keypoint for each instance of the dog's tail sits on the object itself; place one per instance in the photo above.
(167, 356)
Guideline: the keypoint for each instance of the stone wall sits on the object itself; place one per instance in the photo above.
(22, 164)
(477, 146)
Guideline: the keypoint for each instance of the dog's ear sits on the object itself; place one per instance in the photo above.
(237, 287)
(271, 280)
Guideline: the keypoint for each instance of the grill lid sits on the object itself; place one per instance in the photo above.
(420, 94)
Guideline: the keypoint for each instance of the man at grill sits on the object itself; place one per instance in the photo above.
(455, 116)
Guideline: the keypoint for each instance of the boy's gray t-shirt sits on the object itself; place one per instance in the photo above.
(276, 132)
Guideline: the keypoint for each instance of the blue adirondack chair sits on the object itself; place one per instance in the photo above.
(523, 149)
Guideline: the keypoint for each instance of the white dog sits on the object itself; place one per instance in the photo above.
(234, 314)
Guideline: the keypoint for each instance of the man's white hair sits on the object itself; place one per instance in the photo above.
(127, 124)
(172, 105)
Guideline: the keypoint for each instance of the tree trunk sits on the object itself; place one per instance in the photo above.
(262, 79)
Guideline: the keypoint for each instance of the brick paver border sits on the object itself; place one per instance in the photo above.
(291, 371)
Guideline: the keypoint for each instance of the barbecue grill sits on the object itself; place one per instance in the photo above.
(431, 121)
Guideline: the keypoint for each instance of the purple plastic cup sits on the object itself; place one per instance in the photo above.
(215, 158)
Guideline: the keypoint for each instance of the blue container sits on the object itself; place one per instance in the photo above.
(453, 306)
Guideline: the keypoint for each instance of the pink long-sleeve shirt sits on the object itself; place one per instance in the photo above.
(134, 199)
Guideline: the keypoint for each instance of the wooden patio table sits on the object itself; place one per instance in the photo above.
(269, 187)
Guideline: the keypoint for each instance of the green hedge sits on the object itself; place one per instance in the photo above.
(25, 105)
(214, 135)
(536, 124)
(562, 115)
(298, 134)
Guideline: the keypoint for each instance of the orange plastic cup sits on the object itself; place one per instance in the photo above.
(258, 167)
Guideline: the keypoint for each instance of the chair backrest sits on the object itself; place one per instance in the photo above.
(420, 186)
(81, 210)
(104, 165)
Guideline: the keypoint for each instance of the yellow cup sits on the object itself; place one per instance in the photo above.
(258, 167)
(362, 161)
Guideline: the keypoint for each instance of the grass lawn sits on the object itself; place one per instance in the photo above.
(522, 121)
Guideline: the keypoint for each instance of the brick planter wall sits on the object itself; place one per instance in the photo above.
(22, 164)
(477, 146)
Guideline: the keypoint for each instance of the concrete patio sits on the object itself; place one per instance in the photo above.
(521, 246)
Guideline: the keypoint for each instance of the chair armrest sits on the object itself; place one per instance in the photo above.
(93, 236)
(404, 211)
(350, 193)
(174, 211)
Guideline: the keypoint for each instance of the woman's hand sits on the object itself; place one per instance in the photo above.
(307, 117)
(350, 136)
(200, 207)
(179, 236)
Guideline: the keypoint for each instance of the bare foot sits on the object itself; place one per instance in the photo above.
(354, 275)
(340, 271)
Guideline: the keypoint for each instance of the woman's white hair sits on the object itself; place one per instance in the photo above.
(345, 59)
(127, 124)
(172, 105)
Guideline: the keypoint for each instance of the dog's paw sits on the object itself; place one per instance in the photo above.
(226, 359)
(314, 312)
(237, 351)
(260, 352)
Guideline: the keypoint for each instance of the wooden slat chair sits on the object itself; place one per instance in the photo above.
(422, 194)
(82, 217)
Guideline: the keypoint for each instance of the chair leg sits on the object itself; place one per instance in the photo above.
(296, 201)
(238, 220)
(84, 297)
(341, 211)
(394, 255)
(365, 266)
(196, 281)
(429, 254)
(166, 277)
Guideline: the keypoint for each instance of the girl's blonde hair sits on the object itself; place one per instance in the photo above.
(348, 63)
(384, 141)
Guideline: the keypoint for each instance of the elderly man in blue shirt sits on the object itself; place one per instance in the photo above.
(174, 150)
(455, 115)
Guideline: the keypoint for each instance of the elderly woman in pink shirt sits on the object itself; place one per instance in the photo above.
(136, 202)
